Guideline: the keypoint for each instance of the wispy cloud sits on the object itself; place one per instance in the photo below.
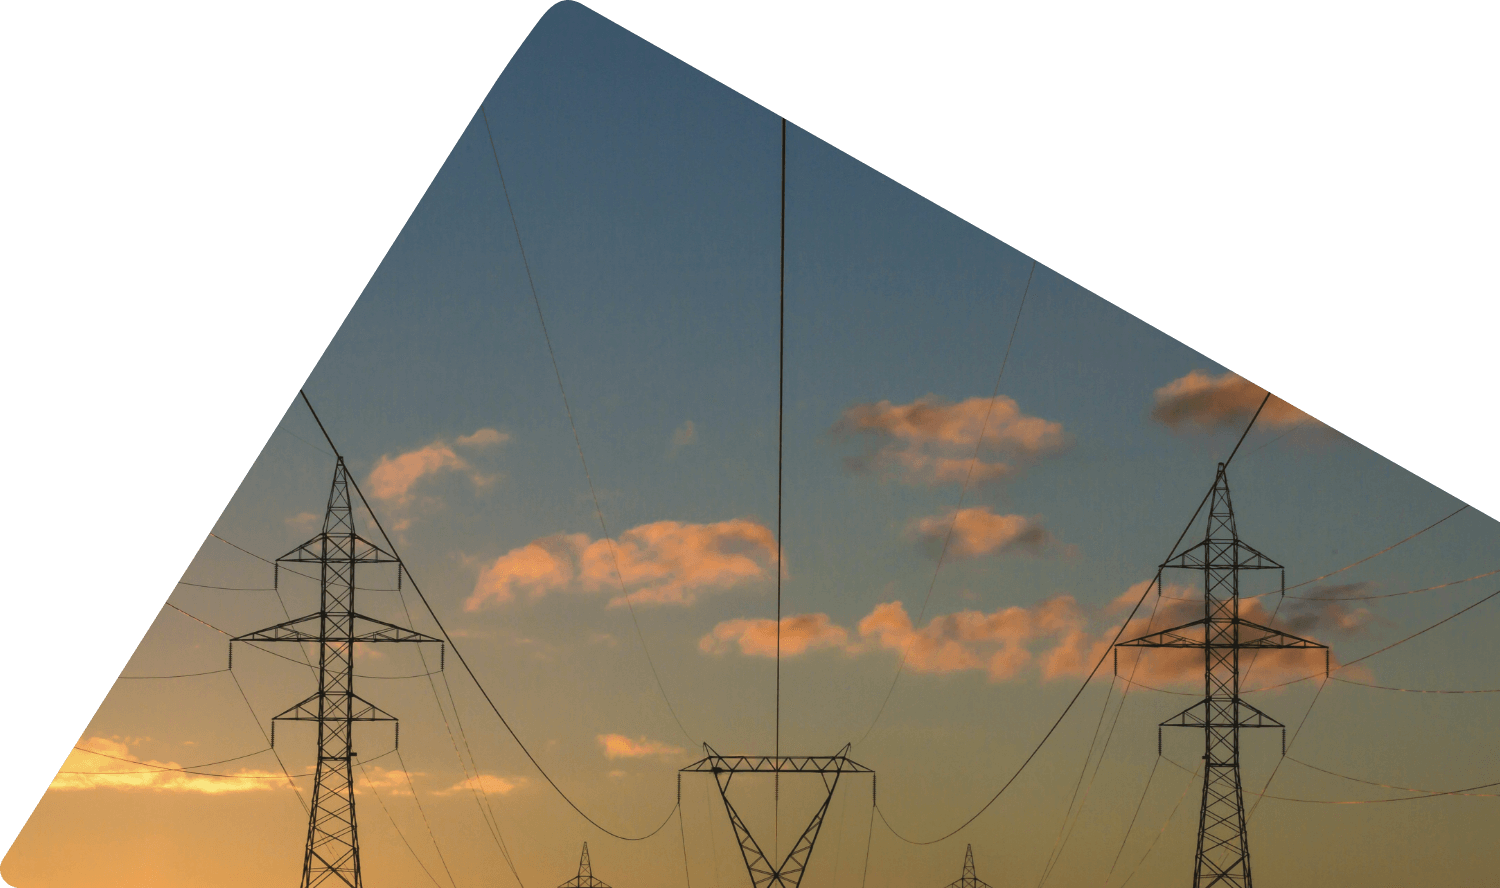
(393, 477)
(1051, 639)
(665, 562)
(488, 783)
(84, 770)
(979, 531)
(1201, 402)
(757, 638)
(932, 441)
(686, 434)
(618, 746)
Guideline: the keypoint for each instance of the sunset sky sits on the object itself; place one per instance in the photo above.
(647, 198)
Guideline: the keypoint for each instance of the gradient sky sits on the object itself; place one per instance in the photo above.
(647, 199)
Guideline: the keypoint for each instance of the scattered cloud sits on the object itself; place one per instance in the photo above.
(931, 441)
(1055, 638)
(304, 522)
(386, 781)
(686, 434)
(979, 531)
(665, 562)
(483, 438)
(1201, 402)
(490, 784)
(85, 770)
(757, 638)
(618, 746)
(393, 477)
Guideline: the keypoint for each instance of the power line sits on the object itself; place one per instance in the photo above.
(598, 511)
(423, 811)
(396, 827)
(465, 663)
(963, 490)
(1092, 672)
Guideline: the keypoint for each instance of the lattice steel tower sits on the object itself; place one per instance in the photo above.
(968, 879)
(332, 854)
(1223, 856)
(585, 877)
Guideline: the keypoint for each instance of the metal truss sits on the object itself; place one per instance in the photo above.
(763, 874)
(585, 877)
(968, 879)
(1223, 855)
(332, 853)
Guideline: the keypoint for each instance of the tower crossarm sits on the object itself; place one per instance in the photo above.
(362, 710)
(715, 763)
(368, 630)
(1265, 637)
(1231, 554)
(1199, 716)
(349, 547)
(1177, 637)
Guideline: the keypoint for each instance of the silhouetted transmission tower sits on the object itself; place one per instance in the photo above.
(968, 879)
(332, 854)
(1223, 856)
(585, 877)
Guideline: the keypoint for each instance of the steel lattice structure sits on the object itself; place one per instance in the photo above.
(968, 879)
(763, 874)
(332, 853)
(1223, 856)
(585, 877)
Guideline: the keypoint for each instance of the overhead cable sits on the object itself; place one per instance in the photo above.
(1093, 671)
(457, 652)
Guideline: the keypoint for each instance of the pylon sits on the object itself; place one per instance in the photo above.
(1223, 856)
(788, 873)
(968, 879)
(585, 877)
(332, 852)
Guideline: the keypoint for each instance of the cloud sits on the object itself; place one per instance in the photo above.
(618, 746)
(304, 522)
(979, 531)
(685, 434)
(665, 562)
(393, 477)
(388, 781)
(1202, 402)
(83, 770)
(757, 638)
(1054, 638)
(931, 441)
(488, 783)
(483, 438)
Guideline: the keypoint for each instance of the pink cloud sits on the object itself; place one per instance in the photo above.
(664, 562)
(1056, 636)
(483, 438)
(1205, 402)
(618, 746)
(757, 638)
(979, 531)
(931, 441)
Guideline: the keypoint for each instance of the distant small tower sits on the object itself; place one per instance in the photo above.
(585, 877)
(968, 879)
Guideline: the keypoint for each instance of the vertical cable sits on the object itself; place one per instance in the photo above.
(780, 413)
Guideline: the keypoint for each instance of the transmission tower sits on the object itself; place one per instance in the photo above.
(788, 873)
(332, 854)
(585, 877)
(1223, 856)
(968, 879)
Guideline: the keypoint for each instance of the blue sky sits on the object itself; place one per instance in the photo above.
(647, 198)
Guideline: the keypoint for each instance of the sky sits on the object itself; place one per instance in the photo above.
(647, 199)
